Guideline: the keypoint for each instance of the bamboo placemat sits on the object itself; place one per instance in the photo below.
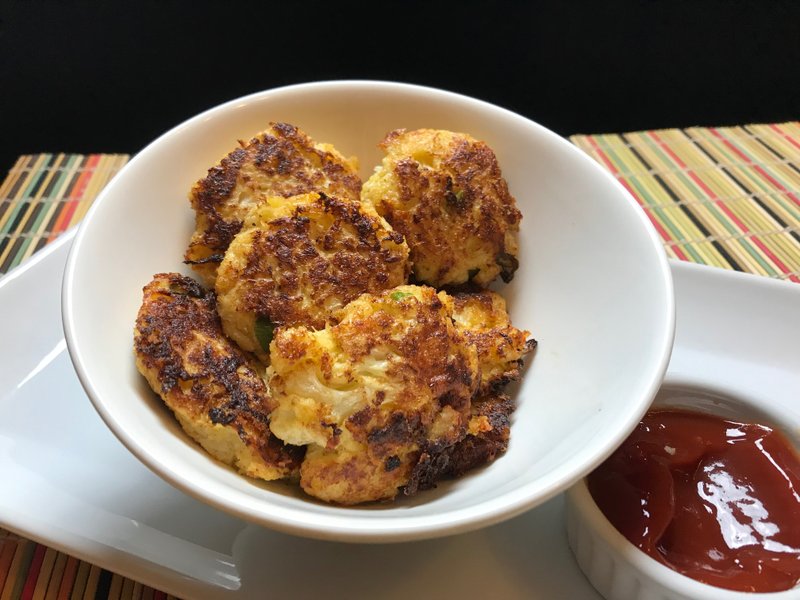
(46, 194)
(31, 571)
(727, 197)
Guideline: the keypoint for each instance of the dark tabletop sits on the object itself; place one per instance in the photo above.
(109, 77)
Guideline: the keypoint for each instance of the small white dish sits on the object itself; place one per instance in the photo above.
(759, 385)
(593, 287)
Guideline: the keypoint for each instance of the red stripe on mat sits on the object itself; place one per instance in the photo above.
(661, 231)
(709, 192)
(756, 167)
(33, 573)
(68, 579)
(785, 135)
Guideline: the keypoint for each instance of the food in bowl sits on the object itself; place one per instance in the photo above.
(482, 317)
(214, 390)
(591, 266)
(445, 193)
(390, 382)
(300, 259)
(714, 499)
(280, 161)
(376, 385)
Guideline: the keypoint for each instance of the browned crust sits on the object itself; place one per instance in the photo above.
(501, 347)
(294, 273)
(428, 348)
(210, 193)
(491, 422)
(424, 406)
(467, 192)
(354, 478)
(281, 161)
(187, 360)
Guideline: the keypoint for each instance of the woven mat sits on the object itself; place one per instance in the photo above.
(46, 194)
(727, 197)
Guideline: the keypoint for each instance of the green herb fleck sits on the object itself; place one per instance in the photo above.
(399, 295)
(264, 330)
(455, 199)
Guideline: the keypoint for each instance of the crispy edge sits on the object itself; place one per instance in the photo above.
(205, 380)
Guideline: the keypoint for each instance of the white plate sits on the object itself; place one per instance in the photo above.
(70, 484)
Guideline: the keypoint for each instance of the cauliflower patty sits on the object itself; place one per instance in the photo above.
(281, 161)
(391, 380)
(483, 319)
(218, 398)
(299, 259)
(445, 193)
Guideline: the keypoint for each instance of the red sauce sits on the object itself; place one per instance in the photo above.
(715, 500)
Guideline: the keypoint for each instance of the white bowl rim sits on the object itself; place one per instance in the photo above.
(357, 529)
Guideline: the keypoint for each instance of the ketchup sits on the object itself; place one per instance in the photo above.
(716, 500)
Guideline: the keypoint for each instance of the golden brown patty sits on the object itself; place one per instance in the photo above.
(299, 259)
(445, 193)
(487, 438)
(218, 398)
(281, 161)
(482, 317)
(392, 379)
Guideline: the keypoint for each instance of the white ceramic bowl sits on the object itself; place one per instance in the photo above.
(618, 569)
(593, 286)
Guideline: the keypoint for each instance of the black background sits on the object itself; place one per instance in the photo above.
(109, 77)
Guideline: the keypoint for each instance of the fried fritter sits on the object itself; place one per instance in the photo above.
(392, 379)
(281, 161)
(299, 259)
(218, 398)
(445, 193)
(487, 438)
(482, 317)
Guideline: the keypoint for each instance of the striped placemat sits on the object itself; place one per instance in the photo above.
(727, 197)
(722, 196)
(30, 571)
(46, 194)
